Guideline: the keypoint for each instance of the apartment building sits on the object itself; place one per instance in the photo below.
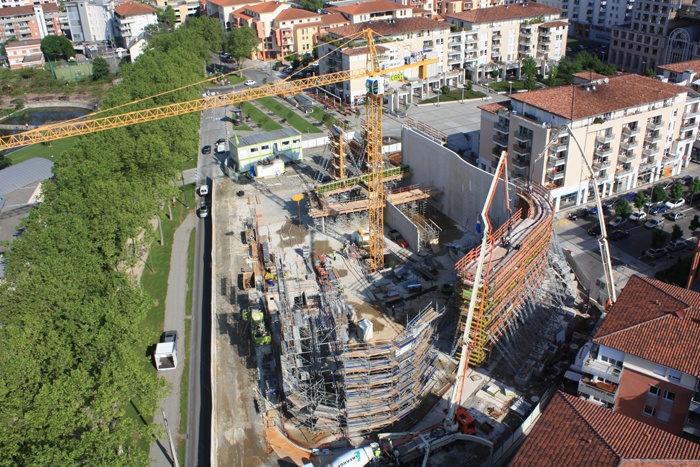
(131, 20)
(445, 7)
(498, 38)
(632, 129)
(31, 21)
(594, 19)
(378, 10)
(222, 9)
(295, 31)
(90, 21)
(644, 361)
(574, 432)
(661, 32)
(24, 54)
(13, 3)
(183, 8)
(260, 18)
(400, 41)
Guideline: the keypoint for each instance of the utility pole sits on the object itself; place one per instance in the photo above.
(170, 440)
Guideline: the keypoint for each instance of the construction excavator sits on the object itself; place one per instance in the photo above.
(373, 73)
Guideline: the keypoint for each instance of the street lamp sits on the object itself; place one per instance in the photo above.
(511, 88)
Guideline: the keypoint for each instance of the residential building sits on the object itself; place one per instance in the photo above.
(247, 151)
(594, 19)
(445, 7)
(90, 21)
(399, 41)
(661, 32)
(295, 30)
(681, 73)
(498, 38)
(377, 10)
(574, 432)
(632, 129)
(222, 9)
(183, 8)
(131, 20)
(259, 17)
(31, 21)
(418, 6)
(24, 54)
(644, 360)
(13, 3)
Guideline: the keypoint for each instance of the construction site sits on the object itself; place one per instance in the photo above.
(355, 351)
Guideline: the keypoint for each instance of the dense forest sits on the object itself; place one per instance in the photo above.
(73, 362)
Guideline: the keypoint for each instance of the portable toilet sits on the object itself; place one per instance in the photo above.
(365, 330)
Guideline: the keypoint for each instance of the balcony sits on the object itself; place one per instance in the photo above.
(521, 162)
(671, 157)
(601, 164)
(690, 123)
(655, 125)
(623, 172)
(627, 145)
(602, 369)
(559, 147)
(605, 138)
(553, 161)
(598, 389)
(553, 175)
(685, 136)
(692, 112)
(500, 140)
(502, 127)
(603, 151)
(627, 157)
(648, 152)
(648, 165)
(523, 137)
(629, 131)
(653, 137)
(522, 150)
(496, 35)
(525, 33)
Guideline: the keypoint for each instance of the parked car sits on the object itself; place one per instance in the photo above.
(638, 216)
(677, 245)
(401, 242)
(595, 230)
(687, 180)
(250, 82)
(610, 203)
(655, 253)
(203, 190)
(617, 222)
(673, 204)
(203, 211)
(206, 149)
(630, 196)
(578, 214)
(594, 210)
(654, 223)
(658, 209)
(220, 140)
(675, 216)
(618, 235)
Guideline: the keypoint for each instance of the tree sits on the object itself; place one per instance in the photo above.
(676, 232)
(658, 195)
(609, 70)
(240, 43)
(445, 89)
(166, 18)
(640, 200)
(677, 191)
(312, 5)
(623, 209)
(658, 238)
(694, 188)
(529, 67)
(56, 47)
(469, 86)
(649, 72)
(553, 72)
(695, 223)
(100, 69)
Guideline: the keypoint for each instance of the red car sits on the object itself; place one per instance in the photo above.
(401, 242)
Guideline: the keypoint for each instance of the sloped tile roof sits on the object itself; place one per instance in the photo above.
(134, 9)
(333, 18)
(10, 11)
(655, 321)
(680, 67)
(363, 50)
(295, 13)
(619, 93)
(370, 7)
(589, 75)
(384, 28)
(267, 7)
(493, 108)
(225, 3)
(575, 432)
(505, 13)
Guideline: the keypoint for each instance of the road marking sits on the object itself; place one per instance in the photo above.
(562, 223)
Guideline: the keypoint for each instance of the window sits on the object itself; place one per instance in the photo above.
(649, 410)
(252, 150)
(669, 396)
(265, 147)
(674, 376)
(654, 391)
(285, 143)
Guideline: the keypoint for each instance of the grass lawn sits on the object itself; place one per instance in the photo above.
(155, 282)
(259, 117)
(503, 86)
(185, 380)
(242, 127)
(293, 118)
(70, 73)
(41, 150)
(455, 95)
(319, 115)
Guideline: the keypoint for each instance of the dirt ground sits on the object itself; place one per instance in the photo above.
(83, 97)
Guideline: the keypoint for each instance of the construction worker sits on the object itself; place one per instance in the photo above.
(334, 256)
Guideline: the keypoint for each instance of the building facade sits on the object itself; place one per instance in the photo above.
(632, 130)
(183, 8)
(498, 38)
(130, 21)
(24, 54)
(259, 18)
(594, 19)
(644, 361)
(378, 10)
(91, 21)
(247, 151)
(31, 21)
(222, 9)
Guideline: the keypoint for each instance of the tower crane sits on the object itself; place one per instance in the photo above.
(375, 94)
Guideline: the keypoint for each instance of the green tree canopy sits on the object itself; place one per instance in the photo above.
(623, 209)
(640, 200)
(166, 18)
(658, 194)
(676, 232)
(694, 188)
(677, 191)
(56, 47)
(649, 73)
(658, 238)
(312, 5)
(100, 69)
(240, 43)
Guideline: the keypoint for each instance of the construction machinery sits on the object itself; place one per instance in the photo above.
(375, 95)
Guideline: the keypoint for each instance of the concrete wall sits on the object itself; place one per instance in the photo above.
(395, 219)
(465, 186)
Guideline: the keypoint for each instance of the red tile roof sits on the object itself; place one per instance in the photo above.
(575, 432)
(655, 321)
(21, 44)
(494, 108)
(370, 7)
(384, 28)
(333, 19)
(589, 75)
(49, 7)
(505, 13)
(226, 3)
(294, 14)
(9, 11)
(620, 93)
(134, 9)
(363, 50)
(554, 24)
(267, 7)
(680, 67)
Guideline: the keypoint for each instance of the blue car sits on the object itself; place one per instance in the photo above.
(630, 196)
(658, 209)
(594, 210)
